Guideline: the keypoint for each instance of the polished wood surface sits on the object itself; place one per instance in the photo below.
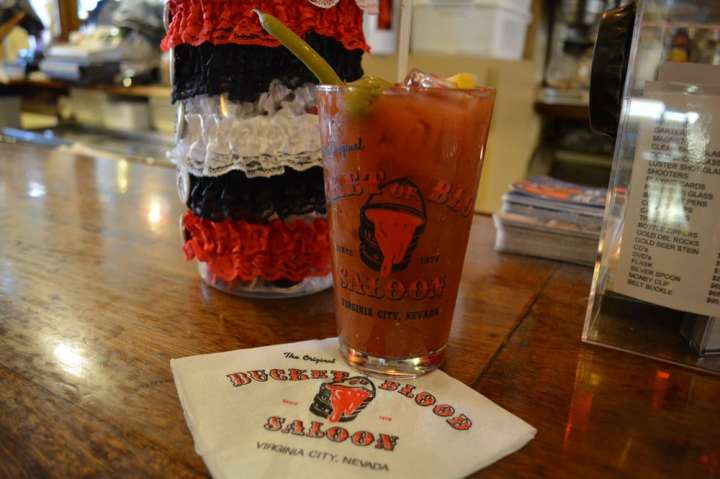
(599, 412)
(95, 299)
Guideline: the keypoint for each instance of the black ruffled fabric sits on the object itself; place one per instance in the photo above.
(235, 196)
(245, 71)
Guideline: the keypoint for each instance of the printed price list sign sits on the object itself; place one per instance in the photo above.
(670, 251)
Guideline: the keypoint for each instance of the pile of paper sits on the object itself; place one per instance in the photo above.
(552, 219)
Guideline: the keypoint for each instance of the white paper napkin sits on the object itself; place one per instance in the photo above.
(298, 410)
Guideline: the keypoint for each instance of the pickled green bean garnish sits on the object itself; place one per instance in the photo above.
(299, 47)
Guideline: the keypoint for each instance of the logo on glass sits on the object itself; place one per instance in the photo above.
(391, 221)
(342, 401)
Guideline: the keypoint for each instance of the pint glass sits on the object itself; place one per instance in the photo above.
(401, 177)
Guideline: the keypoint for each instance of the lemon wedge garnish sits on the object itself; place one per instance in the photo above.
(463, 81)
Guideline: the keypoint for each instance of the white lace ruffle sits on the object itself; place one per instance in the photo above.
(261, 139)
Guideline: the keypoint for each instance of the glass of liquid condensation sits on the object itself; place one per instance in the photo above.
(401, 178)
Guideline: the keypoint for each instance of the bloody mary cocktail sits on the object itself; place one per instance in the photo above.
(401, 177)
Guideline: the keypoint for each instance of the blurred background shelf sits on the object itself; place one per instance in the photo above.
(563, 111)
(31, 86)
(60, 114)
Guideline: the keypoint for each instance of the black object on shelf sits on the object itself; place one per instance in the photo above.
(609, 68)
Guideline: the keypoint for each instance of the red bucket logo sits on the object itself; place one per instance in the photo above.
(342, 401)
(391, 221)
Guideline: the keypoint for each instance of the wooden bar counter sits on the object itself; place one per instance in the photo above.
(96, 298)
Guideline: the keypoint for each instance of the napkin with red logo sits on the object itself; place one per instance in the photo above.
(298, 410)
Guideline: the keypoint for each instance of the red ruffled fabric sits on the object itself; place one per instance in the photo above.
(232, 21)
(235, 250)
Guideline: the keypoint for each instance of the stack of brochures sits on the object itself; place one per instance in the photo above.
(553, 219)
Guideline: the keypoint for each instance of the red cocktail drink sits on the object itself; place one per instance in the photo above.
(401, 177)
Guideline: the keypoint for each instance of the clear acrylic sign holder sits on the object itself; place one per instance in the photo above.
(656, 286)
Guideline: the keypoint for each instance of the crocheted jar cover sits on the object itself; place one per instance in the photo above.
(220, 22)
(235, 196)
(261, 139)
(245, 72)
(238, 251)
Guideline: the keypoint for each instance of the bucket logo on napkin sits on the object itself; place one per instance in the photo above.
(340, 398)
(295, 411)
(343, 400)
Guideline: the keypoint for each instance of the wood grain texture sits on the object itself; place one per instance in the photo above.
(96, 298)
(43, 435)
(599, 413)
